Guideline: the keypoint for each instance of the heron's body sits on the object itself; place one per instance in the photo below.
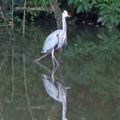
(56, 40)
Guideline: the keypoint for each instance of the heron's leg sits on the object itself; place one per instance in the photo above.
(40, 58)
(52, 76)
(52, 54)
(54, 59)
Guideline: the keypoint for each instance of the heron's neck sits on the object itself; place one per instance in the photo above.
(64, 25)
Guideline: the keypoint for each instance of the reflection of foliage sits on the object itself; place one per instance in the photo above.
(94, 82)
(6, 11)
(40, 105)
(98, 67)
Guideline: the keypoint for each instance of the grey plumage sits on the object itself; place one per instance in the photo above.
(56, 39)
(57, 91)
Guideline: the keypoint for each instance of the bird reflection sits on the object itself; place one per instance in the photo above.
(56, 90)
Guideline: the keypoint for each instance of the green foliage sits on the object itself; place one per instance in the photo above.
(34, 3)
(109, 13)
(108, 45)
(105, 47)
(108, 10)
(82, 5)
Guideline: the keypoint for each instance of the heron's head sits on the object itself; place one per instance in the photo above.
(65, 13)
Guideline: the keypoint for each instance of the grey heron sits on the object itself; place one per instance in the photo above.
(55, 40)
(57, 91)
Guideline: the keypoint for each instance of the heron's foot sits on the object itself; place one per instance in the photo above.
(40, 58)
(36, 60)
(67, 88)
(55, 66)
(65, 119)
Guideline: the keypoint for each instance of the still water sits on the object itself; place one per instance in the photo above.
(81, 88)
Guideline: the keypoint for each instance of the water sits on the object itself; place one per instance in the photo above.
(92, 84)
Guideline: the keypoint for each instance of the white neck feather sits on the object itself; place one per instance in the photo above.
(64, 25)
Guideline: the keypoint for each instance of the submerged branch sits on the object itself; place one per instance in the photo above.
(13, 69)
(5, 20)
(24, 67)
(1, 111)
(13, 76)
(12, 13)
(26, 90)
(2, 63)
(32, 107)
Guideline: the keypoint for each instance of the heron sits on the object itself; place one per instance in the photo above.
(57, 91)
(55, 40)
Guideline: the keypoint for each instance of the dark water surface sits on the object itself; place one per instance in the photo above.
(92, 83)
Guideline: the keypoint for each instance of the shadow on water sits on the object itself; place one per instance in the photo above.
(89, 67)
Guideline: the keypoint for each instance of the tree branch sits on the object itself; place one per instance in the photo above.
(29, 9)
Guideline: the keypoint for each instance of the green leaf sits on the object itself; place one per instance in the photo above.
(79, 9)
(70, 1)
(100, 19)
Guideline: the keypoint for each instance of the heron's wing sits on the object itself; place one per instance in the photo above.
(50, 87)
(52, 40)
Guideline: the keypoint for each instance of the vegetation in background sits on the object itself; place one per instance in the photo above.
(108, 11)
(105, 46)
(34, 3)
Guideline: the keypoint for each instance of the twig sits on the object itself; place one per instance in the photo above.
(26, 90)
(40, 58)
(24, 13)
(50, 112)
(1, 111)
(12, 13)
(29, 9)
(5, 21)
(13, 69)
(24, 67)
(5, 25)
(48, 70)
(13, 74)
(32, 107)
(43, 66)
(2, 63)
